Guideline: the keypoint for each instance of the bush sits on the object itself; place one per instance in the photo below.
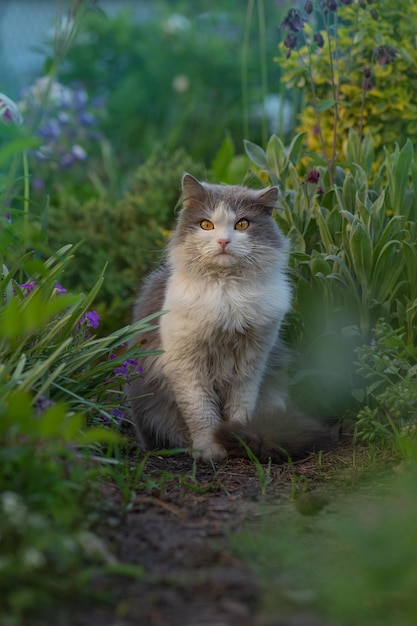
(357, 65)
(353, 262)
(128, 236)
(173, 75)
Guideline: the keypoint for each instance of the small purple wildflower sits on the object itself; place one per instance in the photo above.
(293, 21)
(367, 83)
(118, 414)
(128, 369)
(41, 404)
(308, 7)
(318, 39)
(290, 42)
(59, 289)
(91, 319)
(385, 54)
(28, 287)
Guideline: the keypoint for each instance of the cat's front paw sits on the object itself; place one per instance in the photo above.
(211, 452)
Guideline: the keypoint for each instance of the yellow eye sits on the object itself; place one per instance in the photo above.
(242, 224)
(206, 225)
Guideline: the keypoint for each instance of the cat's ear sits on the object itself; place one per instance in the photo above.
(192, 189)
(268, 197)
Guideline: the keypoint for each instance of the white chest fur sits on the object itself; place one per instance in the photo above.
(225, 305)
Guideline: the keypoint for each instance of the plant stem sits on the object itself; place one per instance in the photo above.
(336, 92)
(264, 67)
(244, 68)
(308, 66)
(26, 194)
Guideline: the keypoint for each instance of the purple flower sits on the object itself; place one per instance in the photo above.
(87, 119)
(59, 289)
(28, 287)
(50, 131)
(127, 369)
(318, 39)
(38, 184)
(126, 372)
(92, 319)
(308, 7)
(118, 414)
(41, 404)
(385, 54)
(290, 42)
(293, 21)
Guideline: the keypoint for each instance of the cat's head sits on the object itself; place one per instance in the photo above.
(227, 229)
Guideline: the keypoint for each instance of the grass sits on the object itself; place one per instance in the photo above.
(352, 559)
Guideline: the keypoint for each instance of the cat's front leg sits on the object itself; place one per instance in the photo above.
(242, 394)
(200, 410)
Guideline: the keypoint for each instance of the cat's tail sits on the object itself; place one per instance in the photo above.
(288, 434)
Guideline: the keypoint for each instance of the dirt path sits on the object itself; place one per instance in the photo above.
(180, 530)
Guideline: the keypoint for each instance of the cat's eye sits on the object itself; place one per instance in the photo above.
(206, 225)
(242, 224)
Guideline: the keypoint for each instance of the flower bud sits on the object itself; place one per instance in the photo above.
(9, 112)
(318, 39)
(308, 7)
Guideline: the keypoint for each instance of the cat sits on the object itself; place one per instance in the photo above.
(221, 370)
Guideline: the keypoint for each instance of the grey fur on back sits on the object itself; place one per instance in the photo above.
(222, 369)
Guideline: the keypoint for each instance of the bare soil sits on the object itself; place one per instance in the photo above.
(180, 528)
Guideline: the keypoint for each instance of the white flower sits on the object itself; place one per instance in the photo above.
(176, 23)
(9, 112)
(13, 507)
(56, 92)
(78, 152)
(181, 83)
(32, 558)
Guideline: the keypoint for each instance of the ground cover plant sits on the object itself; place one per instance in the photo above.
(92, 529)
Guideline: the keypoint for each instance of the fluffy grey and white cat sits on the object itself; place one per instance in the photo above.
(222, 369)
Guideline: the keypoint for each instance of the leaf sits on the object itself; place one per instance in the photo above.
(326, 104)
(325, 234)
(319, 264)
(256, 154)
(361, 249)
(352, 148)
(388, 267)
(367, 154)
(295, 147)
(11, 323)
(223, 158)
(275, 156)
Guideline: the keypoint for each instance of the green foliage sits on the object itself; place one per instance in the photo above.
(129, 236)
(353, 261)
(352, 82)
(55, 378)
(187, 61)
(352, 563)
(389, 367)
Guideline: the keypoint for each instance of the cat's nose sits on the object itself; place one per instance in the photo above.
(223, 243)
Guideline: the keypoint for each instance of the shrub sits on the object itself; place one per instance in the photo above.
(353, 261)
(128, 236)
(173, 75)
(357, 65)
